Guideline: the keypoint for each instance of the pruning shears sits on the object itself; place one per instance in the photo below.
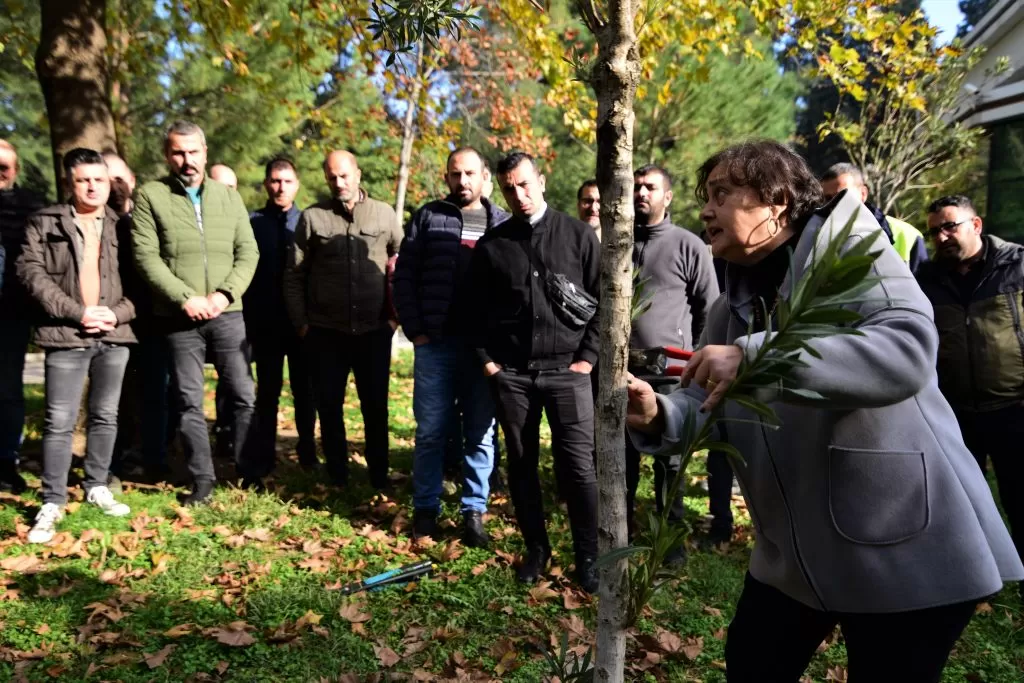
(651, 365)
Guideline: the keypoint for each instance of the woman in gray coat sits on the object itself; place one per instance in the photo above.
(869, 512)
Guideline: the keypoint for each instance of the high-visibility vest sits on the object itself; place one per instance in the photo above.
(904, 236)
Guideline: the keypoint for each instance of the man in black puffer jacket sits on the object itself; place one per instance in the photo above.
(429, 279)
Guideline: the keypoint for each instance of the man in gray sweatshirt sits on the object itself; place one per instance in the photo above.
(678, 278)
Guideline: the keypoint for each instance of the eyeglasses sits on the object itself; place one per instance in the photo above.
(948, 228)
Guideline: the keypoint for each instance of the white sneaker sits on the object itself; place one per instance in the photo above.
(46, 523)
(101, 497)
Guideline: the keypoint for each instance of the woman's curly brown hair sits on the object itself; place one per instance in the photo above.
(775, 172)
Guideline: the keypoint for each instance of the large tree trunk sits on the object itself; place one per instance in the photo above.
(614, 79)
(408, 136)
(71, 63)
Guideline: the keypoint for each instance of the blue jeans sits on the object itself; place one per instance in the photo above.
(66, 372)
(443, 371)
(13, 344)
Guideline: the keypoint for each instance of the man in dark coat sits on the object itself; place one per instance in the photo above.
(16, 204)
(429, 278)
(268, 328)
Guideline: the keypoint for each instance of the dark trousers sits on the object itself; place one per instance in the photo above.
(14, 336)
(142, 415)
(998, 434)
(225, 335)
(772, 638)
(66, 372)
(269, 350)
(565, 397)
(666, 467)
(368, 356)
(720, 493)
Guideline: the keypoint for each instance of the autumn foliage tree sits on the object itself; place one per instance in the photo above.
(907, 91)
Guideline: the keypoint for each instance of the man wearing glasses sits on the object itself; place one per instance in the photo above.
(975, 284)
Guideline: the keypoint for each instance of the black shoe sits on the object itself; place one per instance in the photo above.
(717, 537)
(424, 523)
(338, 476)
(10, 479)
(586, 574)
(202, 493)
(308, 461)
(535, 564)
(474, 535)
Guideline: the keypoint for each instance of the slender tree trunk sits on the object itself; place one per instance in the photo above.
(614, 79)
(408, 136)
(71, 63)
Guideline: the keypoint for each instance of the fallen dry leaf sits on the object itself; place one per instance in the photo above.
(19, 563)
(158, 658)
(983, 608)
(310, 618)
(387, 657)
(56, 591)
(570, 600)
(179, 630)
(542, 591)
(257, 534)
(352, 612)
(692, 648)
(452, 551)
(713, 611)
(234, 634)
(836, 673)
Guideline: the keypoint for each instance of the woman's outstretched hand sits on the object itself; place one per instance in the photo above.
(713, 368)
(642, 412)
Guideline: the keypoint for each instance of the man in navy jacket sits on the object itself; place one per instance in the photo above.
(268, 328)
(429, 281)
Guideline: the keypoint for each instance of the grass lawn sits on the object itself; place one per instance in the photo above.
(247, 589)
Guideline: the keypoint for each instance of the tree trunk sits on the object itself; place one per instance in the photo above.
(614, 79)
(71, 63)
(408, 136)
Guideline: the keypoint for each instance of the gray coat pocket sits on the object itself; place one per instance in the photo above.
(877, 497)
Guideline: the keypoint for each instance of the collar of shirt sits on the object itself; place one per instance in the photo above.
(539, 214)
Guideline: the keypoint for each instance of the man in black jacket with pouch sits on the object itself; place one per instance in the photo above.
(538, 356)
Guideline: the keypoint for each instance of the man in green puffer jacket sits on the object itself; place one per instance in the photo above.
(976, 285)
(194, 247)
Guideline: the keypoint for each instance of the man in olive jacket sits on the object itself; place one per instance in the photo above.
(335, 289)
(976, 285)
(69, 266)
(194, 247)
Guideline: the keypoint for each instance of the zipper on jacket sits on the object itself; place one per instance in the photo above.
(792, 524)
(198, 211)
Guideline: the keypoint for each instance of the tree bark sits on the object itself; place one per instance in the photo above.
(615, 79)
(408, 136)
(71, 63)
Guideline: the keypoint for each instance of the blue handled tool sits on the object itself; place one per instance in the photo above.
(392, 576)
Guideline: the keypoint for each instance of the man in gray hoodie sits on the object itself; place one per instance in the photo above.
(676, 272)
